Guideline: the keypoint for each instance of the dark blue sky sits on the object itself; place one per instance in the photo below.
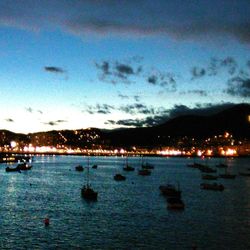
(76, 64)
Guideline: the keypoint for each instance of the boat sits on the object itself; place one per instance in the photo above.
(87, 191)
(227, 176)
(144, 172)
(214, 186)
(146, 165)
(221, 165)
(16, 169)
(79, 168)
(24, 166)
(128, 167)
(244, 174)
(94, 166)
(209, 177)
(175, 203)
(119, 177)
(206, 169)
(170, 190)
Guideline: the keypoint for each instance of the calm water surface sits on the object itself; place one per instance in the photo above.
(127, 215)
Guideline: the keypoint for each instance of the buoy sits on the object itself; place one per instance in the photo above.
(46, 221)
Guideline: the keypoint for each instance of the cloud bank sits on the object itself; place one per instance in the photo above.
(177, 19)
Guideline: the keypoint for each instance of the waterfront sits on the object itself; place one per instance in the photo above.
(127, 215)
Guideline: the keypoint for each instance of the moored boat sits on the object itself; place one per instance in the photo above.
(87, 191)
(244, 174)
(221, 165)
(16, 169)
(127, 166)
(79, 168)
(209, 177)
(24, 166)
(175, 203)
(227, 176)
(119, 177)
(170, 190)
(213, 186)
(144, 172)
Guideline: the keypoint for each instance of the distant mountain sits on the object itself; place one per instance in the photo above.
(234, 120)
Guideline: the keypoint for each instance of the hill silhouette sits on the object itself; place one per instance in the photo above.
(234, 120)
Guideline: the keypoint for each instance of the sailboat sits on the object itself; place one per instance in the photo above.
(146, 165)
(87, 192)
(127, 166)
(227, 175)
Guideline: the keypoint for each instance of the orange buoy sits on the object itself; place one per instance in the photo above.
(46, 221)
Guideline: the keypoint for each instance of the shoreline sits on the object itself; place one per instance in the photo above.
(15, 157)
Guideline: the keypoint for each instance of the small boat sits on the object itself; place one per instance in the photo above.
(87, 191)
(221, 165)
(175, 203)
(209, 177)
(144, 172)
(146, 165)
(206, 169)
(94, 166)
(24, 166)
(79, 168)
(244, 174)
(170, 190)
(214, 186)
(128, 167)
(16, 169)
(119, 177)
(227, 176)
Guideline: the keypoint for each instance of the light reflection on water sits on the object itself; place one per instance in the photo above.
(128, 215)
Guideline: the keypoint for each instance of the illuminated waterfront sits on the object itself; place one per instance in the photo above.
(131, 214)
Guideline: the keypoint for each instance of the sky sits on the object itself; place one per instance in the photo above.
(120, 63)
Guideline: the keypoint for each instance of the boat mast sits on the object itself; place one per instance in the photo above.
(88, 173)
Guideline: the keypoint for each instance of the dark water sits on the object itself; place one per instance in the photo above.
(127, 215)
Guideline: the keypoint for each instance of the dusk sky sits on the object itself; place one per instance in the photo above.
(114, 63)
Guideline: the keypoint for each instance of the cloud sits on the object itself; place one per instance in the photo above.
(197, 72)
(29, 109)
(9, 120)
(137, 98)
(238, 86)
(162, 115)
(136, 108)
(198, 109)
(126, 122)
(216, 66)
(166, 80)
(55, 70)
(248, 64)
(123, 96)
(138, 18)
(118, 72)
(230, 64)
(195, 92)
(99, 109)
(54, 123)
